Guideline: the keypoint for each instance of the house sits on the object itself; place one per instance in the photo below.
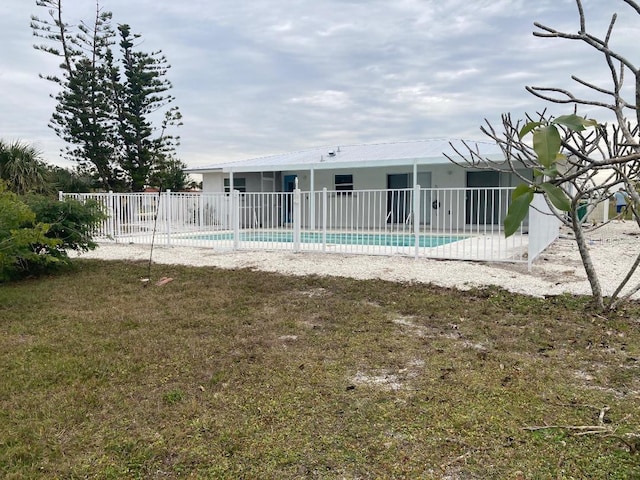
(394, 167)
(356, 167)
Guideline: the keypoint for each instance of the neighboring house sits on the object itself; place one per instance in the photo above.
(384, 166)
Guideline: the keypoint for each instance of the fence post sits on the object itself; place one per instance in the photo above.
(312, 203)
(111, 231)
(60, 195)
(297, 219)
(200, 223)
(235, 218)
(118, 211)
(416, 219)
(324, 219)
(167, 215)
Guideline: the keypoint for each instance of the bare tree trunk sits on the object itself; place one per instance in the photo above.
(590, 270)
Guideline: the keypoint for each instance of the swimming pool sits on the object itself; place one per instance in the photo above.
(375, 239)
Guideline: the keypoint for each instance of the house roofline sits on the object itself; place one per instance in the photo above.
(329, 165)
(420, 152)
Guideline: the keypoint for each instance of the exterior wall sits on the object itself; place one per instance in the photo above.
(448, 176)
(442, 176)
(363, 178)
(213, 182)
(253, 181)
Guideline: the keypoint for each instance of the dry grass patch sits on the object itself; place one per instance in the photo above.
(245, 374)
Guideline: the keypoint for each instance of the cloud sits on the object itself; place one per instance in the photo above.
(420, 98)
(262, 76)
(330, 99)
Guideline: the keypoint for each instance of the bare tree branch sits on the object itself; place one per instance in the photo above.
(634, 5)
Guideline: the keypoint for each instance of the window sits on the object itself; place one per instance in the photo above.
(239, 183)
(344, 183)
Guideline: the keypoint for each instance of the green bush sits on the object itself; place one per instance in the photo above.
(72, 222)
(24, 244)
(37, 231)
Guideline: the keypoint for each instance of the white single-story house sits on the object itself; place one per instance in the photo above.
(357, 167)
(343, 169)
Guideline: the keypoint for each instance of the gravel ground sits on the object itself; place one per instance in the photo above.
(558, 270)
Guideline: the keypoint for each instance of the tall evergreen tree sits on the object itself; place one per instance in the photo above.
(84, 114)
(141, 90)
(106, 104)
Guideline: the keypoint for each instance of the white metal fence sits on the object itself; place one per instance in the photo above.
(544, 228)
(453, 223)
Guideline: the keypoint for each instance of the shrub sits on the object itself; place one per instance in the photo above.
(24, 244)
(37, 231)
(71, 221)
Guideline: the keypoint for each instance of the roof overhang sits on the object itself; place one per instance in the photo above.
(328, 165)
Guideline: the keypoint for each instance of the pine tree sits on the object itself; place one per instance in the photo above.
(142, 91)
(84, 115)
(106, 105)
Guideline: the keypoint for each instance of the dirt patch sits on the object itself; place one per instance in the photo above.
(314, 293)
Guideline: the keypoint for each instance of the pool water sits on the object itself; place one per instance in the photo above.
(377, 239)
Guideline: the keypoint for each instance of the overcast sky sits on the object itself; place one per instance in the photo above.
(257, 77)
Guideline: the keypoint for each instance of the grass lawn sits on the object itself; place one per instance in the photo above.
(251, 375)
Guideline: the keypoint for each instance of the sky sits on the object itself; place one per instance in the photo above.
(260, 77)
